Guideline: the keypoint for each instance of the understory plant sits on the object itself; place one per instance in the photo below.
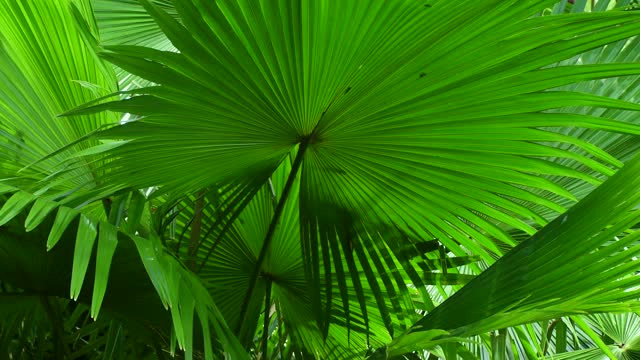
(319, 179)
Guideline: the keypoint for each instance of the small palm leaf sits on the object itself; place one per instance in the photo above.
(126, 22)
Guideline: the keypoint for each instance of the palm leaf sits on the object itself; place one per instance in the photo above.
(39, 89)
(38, 84)
(126, 22)
(380, 137)
(511, 292)
(405, 124)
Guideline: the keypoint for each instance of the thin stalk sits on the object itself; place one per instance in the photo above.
(545, 340)
(265, 332)
(274, 197)
(280, 324)
(271, 230)
(195, 231)
(561, 337)
(57, 327)
(499, 345)
(173, 215)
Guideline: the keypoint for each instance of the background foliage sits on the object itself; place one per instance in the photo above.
(319, 179)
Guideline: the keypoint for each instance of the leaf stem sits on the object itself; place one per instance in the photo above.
(272, 229)
(195, 230)
(57, 326)
(267, 307)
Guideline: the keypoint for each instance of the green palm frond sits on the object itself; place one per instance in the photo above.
(39, 84)
(41, 88)
(534, 275)
(351, 165)
(126, 22)
(617, 335)
(381, 140)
